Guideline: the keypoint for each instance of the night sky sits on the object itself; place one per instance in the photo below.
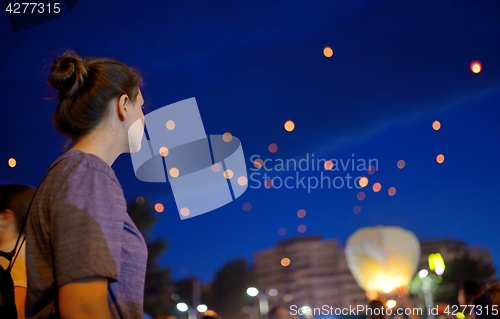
(397, 67)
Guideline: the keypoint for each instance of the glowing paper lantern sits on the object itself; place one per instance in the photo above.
(328, 52)
(382, 258)
(475, 66)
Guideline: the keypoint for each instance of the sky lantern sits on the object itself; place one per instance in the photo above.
(247, 207)
(273, 147)
(328, 52)
(440, 158)
(12, 162)
(363, 181)
(159, 207)
(382, 259)
(436, 125)
(285, 262)
(475, 66)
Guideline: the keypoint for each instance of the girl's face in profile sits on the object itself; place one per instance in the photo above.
(136, 129)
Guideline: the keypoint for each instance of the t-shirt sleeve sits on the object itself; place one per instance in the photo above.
(86, 226)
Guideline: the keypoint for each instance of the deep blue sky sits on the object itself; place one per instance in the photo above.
(397, 67)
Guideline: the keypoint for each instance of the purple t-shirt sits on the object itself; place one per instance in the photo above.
(78, 227)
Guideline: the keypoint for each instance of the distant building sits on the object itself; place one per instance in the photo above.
(318, 274)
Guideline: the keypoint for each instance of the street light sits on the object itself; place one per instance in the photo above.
(263, 302)
(306, 310)
(252, 291)
(202, 308)
(426, 287)
(423, 273)
(181, 306)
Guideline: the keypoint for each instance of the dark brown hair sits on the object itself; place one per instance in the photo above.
(86, 87)
(472, 289)
(17, 198)
(374, 304)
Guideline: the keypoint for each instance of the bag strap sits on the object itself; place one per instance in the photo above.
(15, 257)
(12, 256)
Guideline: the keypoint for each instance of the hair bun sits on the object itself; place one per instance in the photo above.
(67, 74)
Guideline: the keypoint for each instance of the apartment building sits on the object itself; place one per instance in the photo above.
(311, 271)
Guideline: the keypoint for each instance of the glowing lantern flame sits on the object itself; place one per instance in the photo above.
(301, 213)
(361, 196)
(440, 158)
(174, 172)
(363, 182)
(227, 137)
(285, 262)
(228, 174)
(289, 126)
(170, 125)
(159, 207)
(185, 211)
(163, 151)
(372, 295)
(258, 163)
(386, 289)
(392, 191)
(242, 180)
(273, 147)
(401, 164)
(302, 228)
(12, 162)
(328, 52)
(475, 66)
(436, 125)
(328, 165)
(382, 259)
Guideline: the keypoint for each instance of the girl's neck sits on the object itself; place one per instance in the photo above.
(104, 145)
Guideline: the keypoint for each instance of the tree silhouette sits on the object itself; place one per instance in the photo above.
(228, 291)
(459, 270)
(157, 287)
(445, 288)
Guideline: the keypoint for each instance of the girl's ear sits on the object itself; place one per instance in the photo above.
(121, 106)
